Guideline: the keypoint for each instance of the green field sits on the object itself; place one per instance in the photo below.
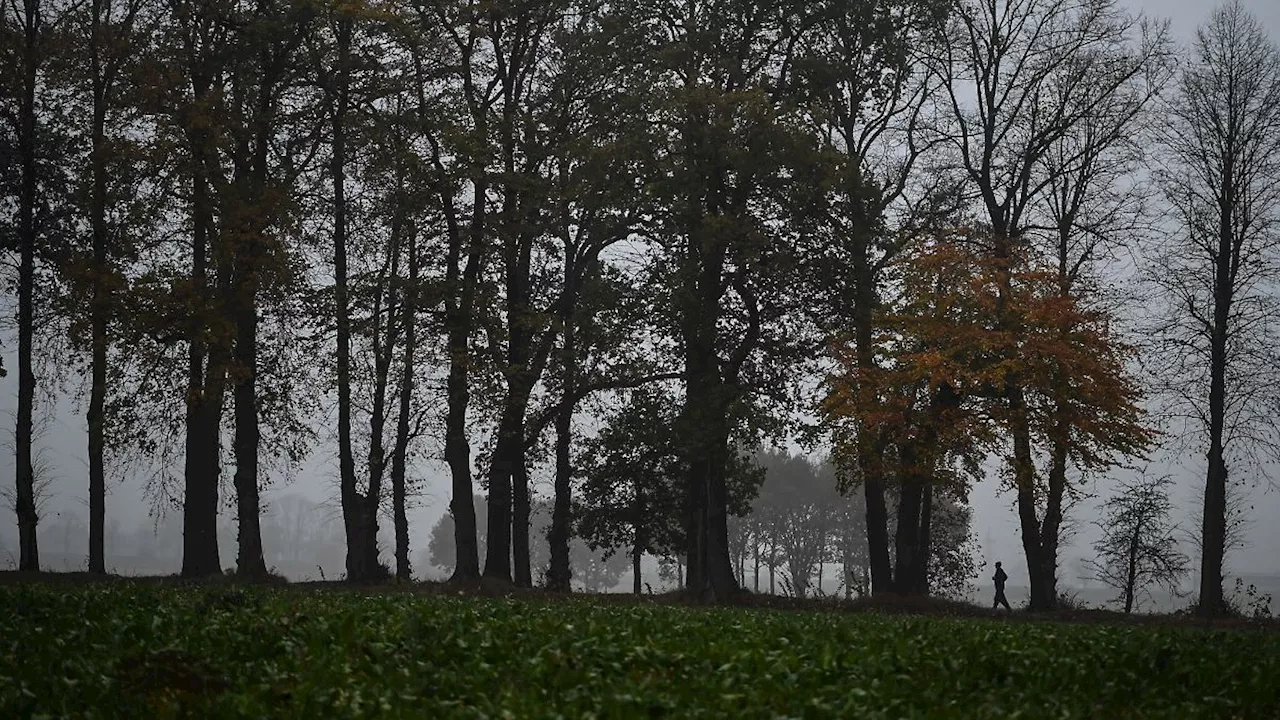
(127, 650)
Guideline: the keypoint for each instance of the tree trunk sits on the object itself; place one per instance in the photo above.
(756, 584)
(520, 510)
(98, 301)
(249, 253)
(925, 550)
(707, 447)
(457, 451)
(636, 552)
(400, 453)
(353, 511)
(846, 567)
(869, 448)
(559, 574)
(1214, 516)
(249, 560)
(773, 563)
(822, 566)
(205, 385)
(907, 561)
(459, 316)
(370, 568)
(1131, 577)
(497, 563)
(1042, 594)
(25, 492)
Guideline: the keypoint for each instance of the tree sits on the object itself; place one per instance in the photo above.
(965, 324)
(1020, 77)
(728, 155)
(27, 39)
(866, 92)
(597, 156)
(193, 43)
(1215, 342)
(1138, 548)
(953, 556)
(629, 496)
(632, 471)
(461, 181)
(111, 31)
(255, 215)
(793, 501)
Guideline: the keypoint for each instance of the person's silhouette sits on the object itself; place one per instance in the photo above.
(999, 579)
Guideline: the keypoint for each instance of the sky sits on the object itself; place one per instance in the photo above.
(995, 521)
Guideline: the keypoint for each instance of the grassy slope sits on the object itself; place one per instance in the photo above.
(128, 650)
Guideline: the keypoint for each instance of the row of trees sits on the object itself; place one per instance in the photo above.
(383, 223)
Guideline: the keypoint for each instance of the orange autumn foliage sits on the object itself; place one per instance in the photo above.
(952, 335)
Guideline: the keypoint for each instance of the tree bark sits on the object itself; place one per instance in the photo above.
(457, 451)
(1042, 595)
(206, 368)
(559, 574)
(249, 558)
(520, 511)
(249, 253)
(98, 300)
(907, 541)
(497, 563)
(925, 533)
(1214, 515)
(636, 552)
(870, 448)
(353, 510)
(756, 584)
(25, 492)
(400, 453)
(458, 319)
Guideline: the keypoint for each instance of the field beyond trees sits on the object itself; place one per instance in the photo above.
(122, 649)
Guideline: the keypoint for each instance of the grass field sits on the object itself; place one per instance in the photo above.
(130, 650)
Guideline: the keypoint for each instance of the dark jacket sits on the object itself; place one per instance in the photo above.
(1000, 577)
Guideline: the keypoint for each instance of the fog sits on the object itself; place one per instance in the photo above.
(144, 535)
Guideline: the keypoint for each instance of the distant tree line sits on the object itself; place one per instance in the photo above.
(630, 244)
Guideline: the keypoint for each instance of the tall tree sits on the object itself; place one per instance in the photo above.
(1019, 77)
(867, 93)
(455, 43)
(193, 42)
(729, 154)
(521, 346)
(111, 44)
(255, 208)
(941, 401)
(1216, 342)
(28, 32)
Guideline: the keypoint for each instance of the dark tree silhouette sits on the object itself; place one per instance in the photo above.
(1138, 548)
(1216, 342)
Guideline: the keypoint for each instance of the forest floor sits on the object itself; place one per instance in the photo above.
(75, 645)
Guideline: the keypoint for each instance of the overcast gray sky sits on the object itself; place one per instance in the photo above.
(995, 522)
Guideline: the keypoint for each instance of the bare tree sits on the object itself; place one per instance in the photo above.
(1138, 548)
(1216, 338)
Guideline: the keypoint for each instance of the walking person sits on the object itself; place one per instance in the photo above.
(999, 579)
